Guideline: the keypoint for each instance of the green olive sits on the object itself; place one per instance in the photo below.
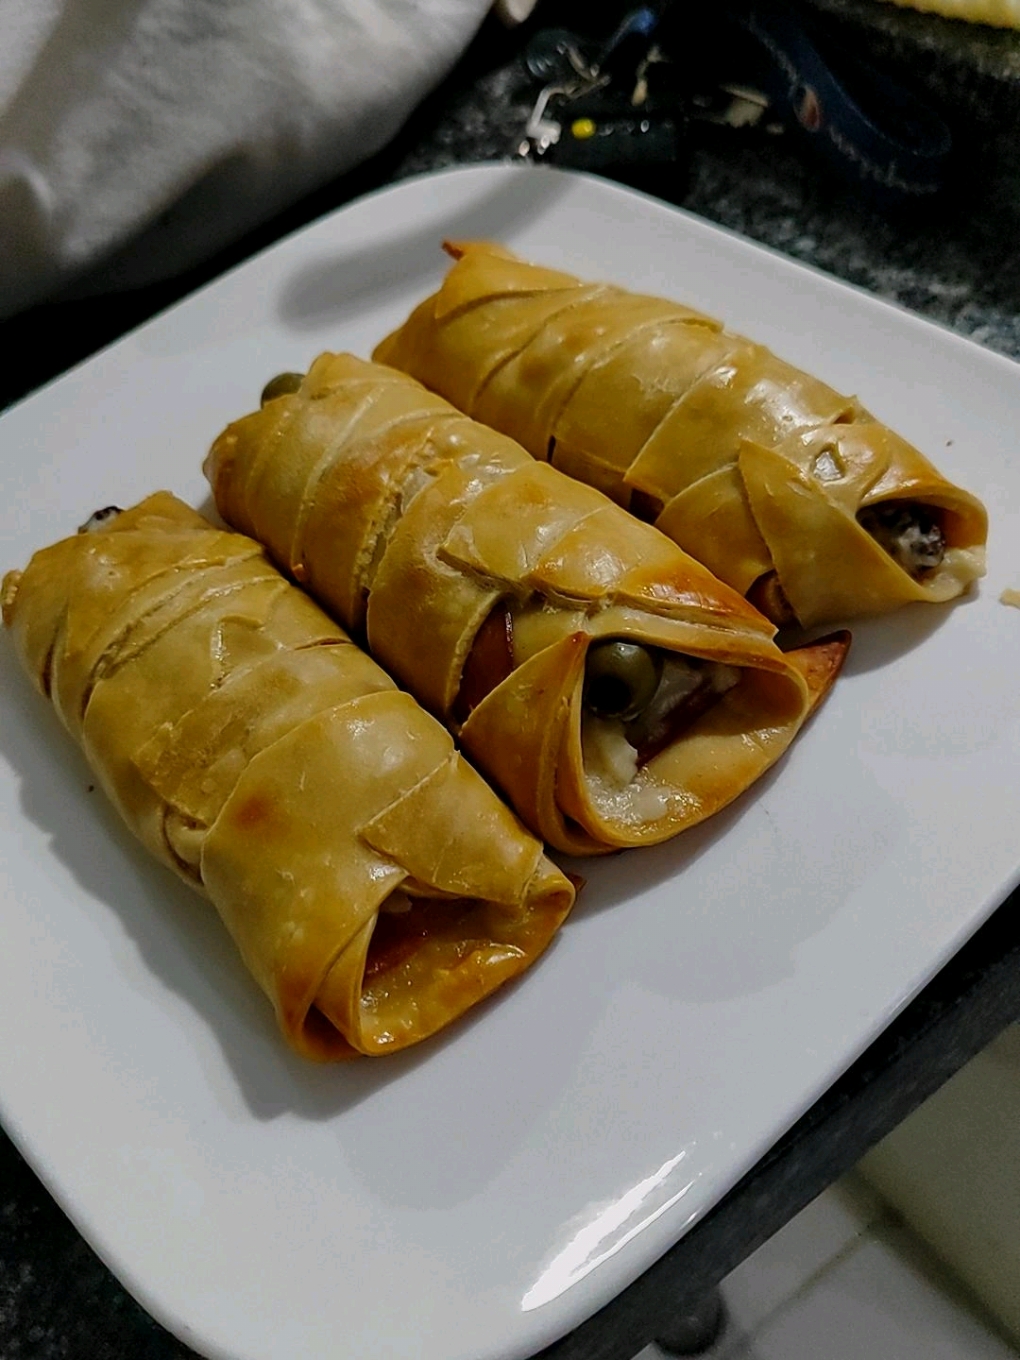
(281, 386)
(621, 678)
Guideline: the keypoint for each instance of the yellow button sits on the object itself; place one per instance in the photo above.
(583, 128)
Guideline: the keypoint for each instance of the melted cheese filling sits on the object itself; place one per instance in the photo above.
(618, 783)
(427, 954)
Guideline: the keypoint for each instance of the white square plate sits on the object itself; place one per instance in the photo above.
(480, 1196)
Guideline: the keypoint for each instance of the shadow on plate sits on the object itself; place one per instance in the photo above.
(879, 641)
(330, 289)
(628, 873)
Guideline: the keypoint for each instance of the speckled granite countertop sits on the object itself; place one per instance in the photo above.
(957, 264)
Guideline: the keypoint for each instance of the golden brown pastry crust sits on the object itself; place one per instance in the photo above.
(750, 465)
(269, 762)
(413, 523)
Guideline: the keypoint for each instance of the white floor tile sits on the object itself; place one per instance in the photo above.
(875, 1302)
(783, 1266)
(839, 1282)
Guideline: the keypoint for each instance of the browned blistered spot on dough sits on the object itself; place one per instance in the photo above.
(820, 662)
(256, 812)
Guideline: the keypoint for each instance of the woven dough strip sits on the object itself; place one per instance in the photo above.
(374, 884)
(785, 489)
(491, 585)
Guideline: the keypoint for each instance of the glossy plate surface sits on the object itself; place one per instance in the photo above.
(480, 1196)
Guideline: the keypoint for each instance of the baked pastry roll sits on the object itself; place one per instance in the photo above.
(605, 681)
(374, 884)
(788, 491)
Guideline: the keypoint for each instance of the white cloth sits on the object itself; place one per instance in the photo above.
(190, 121)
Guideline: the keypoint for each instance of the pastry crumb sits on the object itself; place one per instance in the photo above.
(1010, 596)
